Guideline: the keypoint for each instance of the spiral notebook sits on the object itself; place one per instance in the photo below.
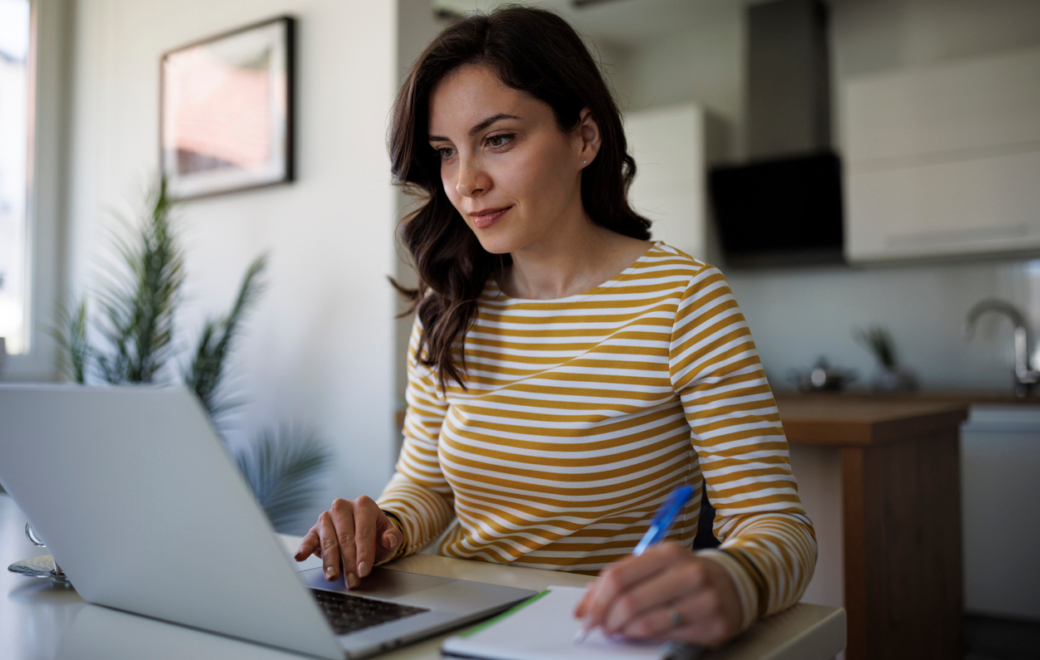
(543, 628)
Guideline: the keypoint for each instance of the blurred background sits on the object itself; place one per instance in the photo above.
(864, 171)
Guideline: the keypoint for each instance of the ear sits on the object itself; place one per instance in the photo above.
(588, 138)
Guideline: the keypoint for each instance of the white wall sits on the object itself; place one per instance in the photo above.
(319, 349)
(799, 314)
(416, 27)
(705, 64)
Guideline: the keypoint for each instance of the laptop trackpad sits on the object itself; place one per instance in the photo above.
(381, 583)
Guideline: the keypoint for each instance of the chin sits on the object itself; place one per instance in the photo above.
(497, 244)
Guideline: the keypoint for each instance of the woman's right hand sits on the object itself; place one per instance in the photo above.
(351, 538)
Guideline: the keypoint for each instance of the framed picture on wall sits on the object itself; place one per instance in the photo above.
(226, 111)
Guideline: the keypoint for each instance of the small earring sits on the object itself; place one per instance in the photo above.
(584, 162)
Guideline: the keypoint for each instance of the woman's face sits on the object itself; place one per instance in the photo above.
(506, 166)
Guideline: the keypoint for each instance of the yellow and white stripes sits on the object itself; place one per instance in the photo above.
(583, 414)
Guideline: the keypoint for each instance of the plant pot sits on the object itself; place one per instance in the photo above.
(896, 379)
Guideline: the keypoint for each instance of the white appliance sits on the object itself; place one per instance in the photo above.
(1000, 495)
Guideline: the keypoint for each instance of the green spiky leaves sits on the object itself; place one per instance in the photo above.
(282, 468)
(137, 300)
(878, 340)
(206, 371)
(74, 350)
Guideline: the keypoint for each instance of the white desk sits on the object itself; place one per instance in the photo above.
(41, 622)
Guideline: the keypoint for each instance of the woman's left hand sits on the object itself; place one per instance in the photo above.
(665, 593)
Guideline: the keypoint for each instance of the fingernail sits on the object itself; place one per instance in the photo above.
(330, 573)
(363, 569)
(352, 581)
(394, 541)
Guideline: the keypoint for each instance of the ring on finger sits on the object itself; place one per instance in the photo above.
(676, 617)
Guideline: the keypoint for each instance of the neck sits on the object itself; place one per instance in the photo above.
(578, 257)
(564, 266)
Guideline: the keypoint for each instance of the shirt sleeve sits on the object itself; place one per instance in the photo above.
(418, 494)
(767, 541)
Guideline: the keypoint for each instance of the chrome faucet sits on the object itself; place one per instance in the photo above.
(1025, 377)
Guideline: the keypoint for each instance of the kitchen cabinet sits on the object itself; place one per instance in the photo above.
(669, 144)
(881, 482)
(943, 160)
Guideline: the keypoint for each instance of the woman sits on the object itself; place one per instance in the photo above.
(566, 374)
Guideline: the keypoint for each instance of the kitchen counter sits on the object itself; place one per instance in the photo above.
(965, 397)
(880, 477)
(850, 420)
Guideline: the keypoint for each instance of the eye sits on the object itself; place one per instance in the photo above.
(445, 152)
(500, 140)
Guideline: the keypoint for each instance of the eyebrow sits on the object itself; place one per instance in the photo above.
(478, 128)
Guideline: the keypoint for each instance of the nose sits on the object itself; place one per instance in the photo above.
(473, 179)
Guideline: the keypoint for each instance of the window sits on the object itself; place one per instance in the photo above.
(15, 89)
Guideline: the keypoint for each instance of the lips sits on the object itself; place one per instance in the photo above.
(486, 217)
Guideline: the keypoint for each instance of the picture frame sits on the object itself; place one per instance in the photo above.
(226, 111)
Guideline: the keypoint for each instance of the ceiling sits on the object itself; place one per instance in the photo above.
(618, 22)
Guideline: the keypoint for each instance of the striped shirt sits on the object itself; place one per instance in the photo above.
(582, 414)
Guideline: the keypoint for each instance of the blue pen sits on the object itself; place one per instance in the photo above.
(659, 526)
(663, 519)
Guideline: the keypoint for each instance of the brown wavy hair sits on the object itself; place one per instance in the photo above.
(534, 51)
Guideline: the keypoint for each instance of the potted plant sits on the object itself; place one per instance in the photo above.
(135, 341)
(889, 376)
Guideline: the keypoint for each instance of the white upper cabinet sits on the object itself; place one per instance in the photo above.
(668, 144)
(944, 160)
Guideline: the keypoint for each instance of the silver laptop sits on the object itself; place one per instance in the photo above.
(142, 507)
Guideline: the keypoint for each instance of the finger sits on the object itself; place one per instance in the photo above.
(329, 546)
(366, 521)
(592, 595)
(701, 620)
(582, 608)
(342, 513)
(390, 537)
(703, 632)
(308, 545)
(618, 578)
(679, 582)
(579, 609)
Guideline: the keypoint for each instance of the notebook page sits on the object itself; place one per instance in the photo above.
(544, 630)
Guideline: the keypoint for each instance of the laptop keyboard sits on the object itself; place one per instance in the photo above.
(350, 613)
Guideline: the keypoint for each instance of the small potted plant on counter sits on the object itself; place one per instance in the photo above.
(889, 377)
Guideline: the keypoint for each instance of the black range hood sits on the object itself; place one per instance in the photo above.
(783, 206)
(780, 212)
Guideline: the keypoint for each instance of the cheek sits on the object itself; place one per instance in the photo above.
(537, 177)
